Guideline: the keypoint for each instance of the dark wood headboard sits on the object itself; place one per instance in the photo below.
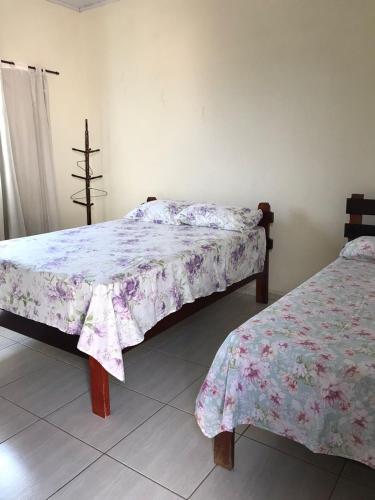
(266, 221)
(357, 206)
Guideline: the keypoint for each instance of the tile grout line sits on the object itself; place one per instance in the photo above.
(143, 475)
(181, 358)
(71, 435)
(21, 408)
(43, 419)
(72, 479)
(6, 346)
(123, 386)
(333, 488)
(22, 376)
(179, 409)
(48, 355)
(16, 380)
(115, 381)
(51, 356)
(138, 426)
(18, 432)
(174, 356)
(38, 419)
(186, 388)
(293, 456)
(150, 351)
(135, 428)
(32, 371)
(65, 404)
(203, 480)
(47, 414)
(135, 470)
(164, 406)
(338, 479)
(193, 415)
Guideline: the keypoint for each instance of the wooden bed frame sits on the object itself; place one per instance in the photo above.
(99, 380)
(356, 206)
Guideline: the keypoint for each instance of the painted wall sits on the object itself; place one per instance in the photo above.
(239, 102)
(38, 32)
(230, 101)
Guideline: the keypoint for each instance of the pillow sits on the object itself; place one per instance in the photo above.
(362, 248)
(158, 211)
(220, 217)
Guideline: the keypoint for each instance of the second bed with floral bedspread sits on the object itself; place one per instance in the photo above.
(303, 368)
(111, 282)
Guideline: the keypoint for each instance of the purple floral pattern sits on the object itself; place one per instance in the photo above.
(220, 217)
(159, 211)
(303, 368)
(111, 282)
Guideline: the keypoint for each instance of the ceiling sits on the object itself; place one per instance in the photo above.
(81, 5)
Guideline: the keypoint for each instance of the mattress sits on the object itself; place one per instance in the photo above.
(303, 368)
(110, 283)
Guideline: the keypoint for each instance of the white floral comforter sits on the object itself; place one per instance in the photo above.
(303, 368)
(111, 282)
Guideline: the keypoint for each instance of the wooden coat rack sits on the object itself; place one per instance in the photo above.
(87, 191)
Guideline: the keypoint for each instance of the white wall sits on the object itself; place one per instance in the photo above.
(239, 102)
(234, 101)
(38, 32)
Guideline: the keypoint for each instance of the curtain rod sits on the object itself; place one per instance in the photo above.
(12, 63)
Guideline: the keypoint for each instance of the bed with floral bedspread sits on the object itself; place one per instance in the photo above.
(111, 282)
(303, 368)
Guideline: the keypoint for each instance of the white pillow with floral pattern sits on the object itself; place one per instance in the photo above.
(158, 211)
(220, 217)
(362, 248)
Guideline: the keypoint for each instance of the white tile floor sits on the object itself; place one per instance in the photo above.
(150, 447)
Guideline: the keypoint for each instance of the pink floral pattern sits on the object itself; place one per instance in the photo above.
(303, 368)
(110, 283)
(362, 248)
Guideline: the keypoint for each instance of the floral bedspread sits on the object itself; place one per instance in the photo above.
(303, 368)
(111, 282)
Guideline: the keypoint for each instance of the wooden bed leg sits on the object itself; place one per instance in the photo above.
(224, 449)
(99, 389)
(262, 287)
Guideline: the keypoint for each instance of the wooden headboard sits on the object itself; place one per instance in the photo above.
(356, 207)
(266, 221)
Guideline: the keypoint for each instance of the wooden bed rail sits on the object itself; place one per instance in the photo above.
(267, 220)
(356, 207)
(261, 287)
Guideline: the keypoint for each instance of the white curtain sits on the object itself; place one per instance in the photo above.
(28, 181)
